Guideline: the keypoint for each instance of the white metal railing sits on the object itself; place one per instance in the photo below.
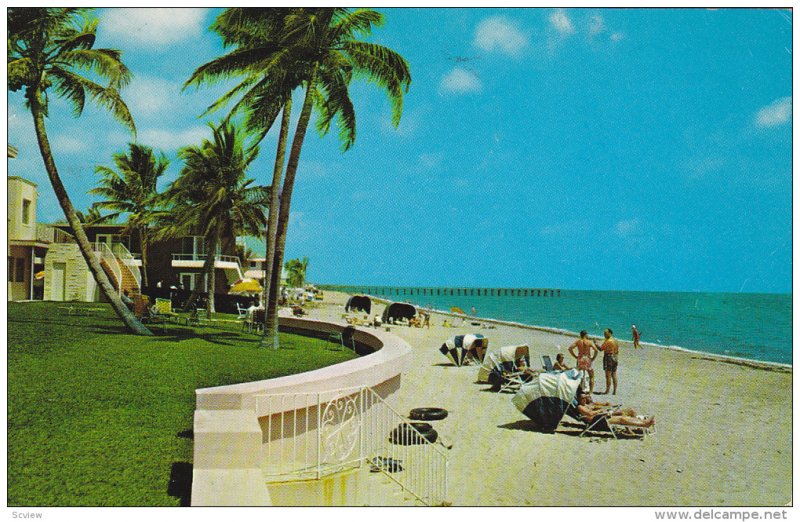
(108, 256)
(312, 435)
(124, 255)
(202, 257)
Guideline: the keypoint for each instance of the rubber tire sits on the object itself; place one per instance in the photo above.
(404, 436)
(427, 414)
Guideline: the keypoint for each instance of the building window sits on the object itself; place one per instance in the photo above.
(16, 269)
(26, 211)
(252, 264)
(10, 269)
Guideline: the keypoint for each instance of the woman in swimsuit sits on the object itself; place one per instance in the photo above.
(587, 351)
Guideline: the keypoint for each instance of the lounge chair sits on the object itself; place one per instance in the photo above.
(499, 367)
(547, 363)
(241, 313)
(599, 423)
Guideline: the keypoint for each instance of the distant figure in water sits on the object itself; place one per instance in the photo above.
(636, 336)
(474, 311)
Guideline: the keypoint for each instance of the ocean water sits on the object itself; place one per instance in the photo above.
(749, 326)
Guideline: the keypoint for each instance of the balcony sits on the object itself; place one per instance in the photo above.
(197, 260)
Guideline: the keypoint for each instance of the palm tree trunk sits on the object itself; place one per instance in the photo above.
(271, 326)
(133, 324)
(211, 275)
(144, 238)
(286, 195)
(208, 268)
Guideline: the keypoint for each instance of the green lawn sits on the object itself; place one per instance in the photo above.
(99, 417)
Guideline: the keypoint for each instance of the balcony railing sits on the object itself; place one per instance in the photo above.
(202, 257)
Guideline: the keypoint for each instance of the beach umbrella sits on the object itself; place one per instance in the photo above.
(457, 310)
(39, 275)
(545, 399)
(457, 348)
(395, 311)
(502, 359)
(245, 286)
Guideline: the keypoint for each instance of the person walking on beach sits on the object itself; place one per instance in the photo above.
(474, 311)
(610, 349)
(636, 336)
(587, 351)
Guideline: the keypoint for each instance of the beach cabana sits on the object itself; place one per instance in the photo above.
(458, 348)
(545, 399)
(501, 360)
(358, 303)
(396, 311)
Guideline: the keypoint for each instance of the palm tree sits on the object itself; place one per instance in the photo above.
(318, 50)
(92, 216)
(48, 49)
(132, 190)
(213, 195)
(296, 270)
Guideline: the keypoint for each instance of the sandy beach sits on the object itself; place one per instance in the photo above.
(724, 429)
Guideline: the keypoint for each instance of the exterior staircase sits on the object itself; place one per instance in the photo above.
(122, 276)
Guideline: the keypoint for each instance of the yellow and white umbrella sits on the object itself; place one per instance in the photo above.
(246, 286)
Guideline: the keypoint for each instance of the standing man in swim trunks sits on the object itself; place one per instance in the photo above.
(587, 351)
(610, 349)
(636, 336)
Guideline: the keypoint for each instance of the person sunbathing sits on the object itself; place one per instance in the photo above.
(589, 409)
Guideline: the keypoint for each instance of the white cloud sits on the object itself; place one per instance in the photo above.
(69, 143)
(625, 228)
(596, 25)
(561, 22)
(147, 27)
(460, 81)
(776, 113)
(147, 96)
(170, 140)
(617, 36)
(500, 34)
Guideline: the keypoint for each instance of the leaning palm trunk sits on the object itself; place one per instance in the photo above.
(80, 235)
(271, 326)
(286, 197)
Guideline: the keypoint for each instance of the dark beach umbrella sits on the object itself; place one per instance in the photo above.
(398, 311)
(544, 400)
(359, 303)
(457, 348)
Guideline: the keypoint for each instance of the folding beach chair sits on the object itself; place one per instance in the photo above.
(499, 367)
(599, 423)
(241, 313)
(547, 363)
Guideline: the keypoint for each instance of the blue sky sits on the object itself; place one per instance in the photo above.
(564, 148)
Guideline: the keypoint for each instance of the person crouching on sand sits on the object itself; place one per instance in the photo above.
(587, 351)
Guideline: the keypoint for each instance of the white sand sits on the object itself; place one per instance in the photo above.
(723, 429)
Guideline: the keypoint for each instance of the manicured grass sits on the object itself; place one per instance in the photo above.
(99, 417)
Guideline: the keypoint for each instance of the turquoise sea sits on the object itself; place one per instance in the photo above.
(749, 326)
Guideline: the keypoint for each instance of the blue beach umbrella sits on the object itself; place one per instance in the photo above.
(545, 399)
(459, 347)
